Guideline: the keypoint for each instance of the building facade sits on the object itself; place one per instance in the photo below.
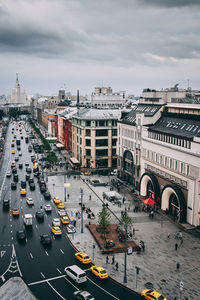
(103, 97)
(94, 138)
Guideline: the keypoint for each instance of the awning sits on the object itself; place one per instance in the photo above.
(59, 145)
(74, 160)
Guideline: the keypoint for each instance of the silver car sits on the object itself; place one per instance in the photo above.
(56, 222)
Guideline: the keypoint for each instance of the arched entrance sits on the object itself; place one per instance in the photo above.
(173, 201)
(149, 187)
(128, 167)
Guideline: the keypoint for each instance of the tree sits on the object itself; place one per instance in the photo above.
(125, 219)
(2, 114)
(14, 112)
(51, 157)
(103, 221)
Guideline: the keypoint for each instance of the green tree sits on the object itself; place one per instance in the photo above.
(51, 157)
(2, 114)
(126, 220)
(13, 112)
(103, 221)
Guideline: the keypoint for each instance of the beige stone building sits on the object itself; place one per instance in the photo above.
(94, 138)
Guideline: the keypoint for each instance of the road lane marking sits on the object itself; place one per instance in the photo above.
(2, 253)
(36, 226)
(45, 280)
(56, 291)
(58, 271)
(42, 274)
(47, 253)
(103, 289)
(61, 251)
(3, 278)
(31, 255)
(70, 283)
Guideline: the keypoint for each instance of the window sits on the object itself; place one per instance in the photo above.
(101, 132)
(114, 132)
(114, 142)
(88, 123)
(101, 143)
(102, 152)
(88, 142)
(88, 132)
(113, 151)
(88, 152)
(101, 123)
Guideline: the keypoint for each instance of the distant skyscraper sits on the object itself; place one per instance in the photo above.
(17, 95)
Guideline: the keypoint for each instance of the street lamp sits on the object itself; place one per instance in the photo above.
(125, 252)
(81, 194)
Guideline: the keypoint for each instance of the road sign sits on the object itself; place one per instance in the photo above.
(2, 253)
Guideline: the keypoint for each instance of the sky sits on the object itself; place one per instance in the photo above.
(81, 44)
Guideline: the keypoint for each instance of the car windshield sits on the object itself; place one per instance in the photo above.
(86, 257)
(103, 272)
(161, 297)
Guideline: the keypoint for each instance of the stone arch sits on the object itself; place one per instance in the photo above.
(145, 180)
(173, 201)
(127, 154)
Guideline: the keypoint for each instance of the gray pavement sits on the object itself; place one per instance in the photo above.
(15, 289)
(158, 264)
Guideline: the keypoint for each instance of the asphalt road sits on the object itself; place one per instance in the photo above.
(41, 268)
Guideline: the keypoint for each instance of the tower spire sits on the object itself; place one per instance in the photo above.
(16, 76)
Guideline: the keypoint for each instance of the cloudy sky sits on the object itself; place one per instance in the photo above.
(126, 44)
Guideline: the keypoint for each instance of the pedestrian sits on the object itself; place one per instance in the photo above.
(74, 223)
(116, 266)
(123, 200)
(168, 235)
(176, 246)
(152, 214)
(176, 235)
(107, 259)
(133, 231)
(113, 260)
(68, 196)
(177, 266)
(90, 197)
(143, 246)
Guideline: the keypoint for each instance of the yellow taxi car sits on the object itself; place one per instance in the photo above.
(56, 230)
(23, 192)
(15, 212)
(64, 219)
(152, 295)
(99, 272)
(56, 200)
(83, 257)
(13, 140)
(13, 151)
(61, 205)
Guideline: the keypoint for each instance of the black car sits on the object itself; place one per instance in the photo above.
(39, 215)
(13, 186)
(45, 239)
(37, 174)
(28, 170)
(23, 183)
(32, 158)
(18, 149)
(21, 235)
(47, 195)
(21, 137)
(20, 166)
(41, 181)
(32, 186)
(27, 176)
(31, 180)
(6, 203)
(43, 188)
(16, 158)
(14, 170)
(15, 177)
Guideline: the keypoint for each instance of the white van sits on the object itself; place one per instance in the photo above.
(76, 273)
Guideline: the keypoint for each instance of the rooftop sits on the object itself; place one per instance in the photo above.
(97, 114)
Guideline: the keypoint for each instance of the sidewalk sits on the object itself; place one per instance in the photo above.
(157, 264)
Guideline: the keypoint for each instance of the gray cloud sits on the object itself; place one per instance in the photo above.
(170, 3)
(100, 39)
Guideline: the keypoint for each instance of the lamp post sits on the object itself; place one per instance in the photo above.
(65, 188)
(81, 194)
(125, 252)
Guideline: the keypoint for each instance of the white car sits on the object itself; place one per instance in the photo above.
(48, 207)
(62, 212)
(30, 201)
(56, 222)
(8, 174)
(20, 154)
(26, 164)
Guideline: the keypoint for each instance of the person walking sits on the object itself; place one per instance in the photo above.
(113, 260)
(176, 246)
(177, 266)
(90, 197)
(116, 266)
(67, 196)
(107, 259)
(168, 235)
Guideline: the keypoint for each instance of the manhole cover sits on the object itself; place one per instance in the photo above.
(148, 285)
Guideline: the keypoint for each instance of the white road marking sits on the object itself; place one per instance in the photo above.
(31, 255)
(49, 225)
(70, 283)
(56, 291)
(2, 253)
(58, 271)
(3, 279)
(42, 274)
(103, 289)
(45, 280)
(47, 253)
(61, 251)
(36, 226)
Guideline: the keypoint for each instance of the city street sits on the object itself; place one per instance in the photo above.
(158, 264)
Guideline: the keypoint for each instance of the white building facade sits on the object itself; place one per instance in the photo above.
(104, 97)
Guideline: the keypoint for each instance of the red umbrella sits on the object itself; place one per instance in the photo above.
(149, 201)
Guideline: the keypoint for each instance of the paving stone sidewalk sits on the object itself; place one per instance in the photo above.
(158, 264)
